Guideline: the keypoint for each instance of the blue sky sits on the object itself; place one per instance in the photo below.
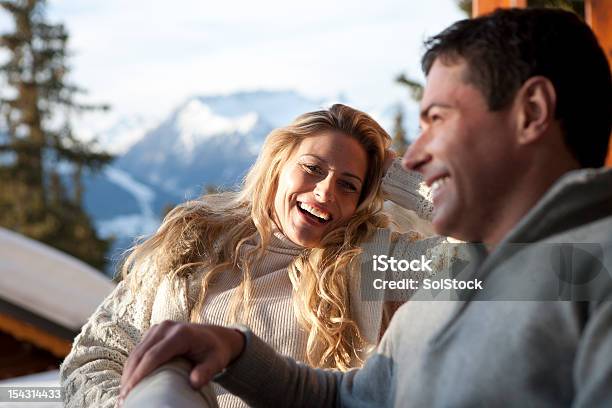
(145, 57)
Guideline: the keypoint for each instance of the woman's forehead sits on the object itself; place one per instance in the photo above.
(336, 150)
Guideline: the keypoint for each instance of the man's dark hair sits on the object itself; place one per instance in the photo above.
(507, 47)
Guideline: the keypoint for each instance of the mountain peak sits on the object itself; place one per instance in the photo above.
(211, 139)
(196, 122)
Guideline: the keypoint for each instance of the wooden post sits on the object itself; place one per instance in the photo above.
(598, 14)
(480, 7)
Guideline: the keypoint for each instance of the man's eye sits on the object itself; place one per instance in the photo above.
(435, 118)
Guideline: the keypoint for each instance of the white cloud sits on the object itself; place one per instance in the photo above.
(197, 122)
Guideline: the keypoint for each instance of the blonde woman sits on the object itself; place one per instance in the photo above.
(283, 256)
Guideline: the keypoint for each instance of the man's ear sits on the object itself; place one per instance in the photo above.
(536, 101)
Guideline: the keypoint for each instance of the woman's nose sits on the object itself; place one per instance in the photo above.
(324, 190)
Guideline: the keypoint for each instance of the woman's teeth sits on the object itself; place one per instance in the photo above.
(439, 183)
(314, 211)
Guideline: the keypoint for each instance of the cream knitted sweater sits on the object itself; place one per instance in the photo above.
(91, 373)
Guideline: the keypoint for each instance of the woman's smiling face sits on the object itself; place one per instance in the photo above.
(319, 187)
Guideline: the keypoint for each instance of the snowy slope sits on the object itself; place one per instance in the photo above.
(142, 222)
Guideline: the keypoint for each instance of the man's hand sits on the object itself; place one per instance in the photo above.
(210, 348)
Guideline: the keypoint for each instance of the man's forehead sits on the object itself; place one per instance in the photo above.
(445, 79)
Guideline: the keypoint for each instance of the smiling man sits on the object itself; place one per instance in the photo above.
(506, 112)
(516, 118)
(466, 154)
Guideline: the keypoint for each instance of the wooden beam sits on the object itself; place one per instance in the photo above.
(19, 358)
(480, 7)
(32, 334)
(598, 14)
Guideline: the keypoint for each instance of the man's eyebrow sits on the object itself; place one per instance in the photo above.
(425, 111)
(346, 174)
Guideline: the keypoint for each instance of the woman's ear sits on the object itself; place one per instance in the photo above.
(536, 103)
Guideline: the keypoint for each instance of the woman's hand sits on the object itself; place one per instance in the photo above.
(390, 155)
(210, 348)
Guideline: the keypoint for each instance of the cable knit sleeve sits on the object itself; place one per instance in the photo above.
(407, 189)
(91, 373)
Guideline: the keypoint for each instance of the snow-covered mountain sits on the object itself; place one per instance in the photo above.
(118, 137)
(210, 140)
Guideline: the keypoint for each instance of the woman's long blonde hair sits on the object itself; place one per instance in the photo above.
(207, 234)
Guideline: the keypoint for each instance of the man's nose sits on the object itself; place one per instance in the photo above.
(417, 154)
(324, 189)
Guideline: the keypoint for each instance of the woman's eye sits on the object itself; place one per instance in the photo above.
(348, 186)
(311, 168)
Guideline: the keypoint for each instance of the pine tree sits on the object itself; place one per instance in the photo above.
(414, 87)
(465, 6)
(36, 152)
(400, 142)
